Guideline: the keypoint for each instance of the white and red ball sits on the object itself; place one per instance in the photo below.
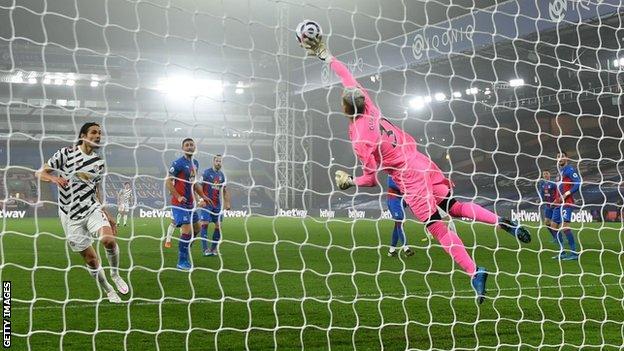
(308, 29)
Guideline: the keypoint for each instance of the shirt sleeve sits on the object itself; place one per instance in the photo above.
(343, 73)
(365, 152)
(56, 161)
(174, 169)
(350, 82)
(576, 180)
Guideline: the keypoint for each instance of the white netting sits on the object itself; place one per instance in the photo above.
(491, 91)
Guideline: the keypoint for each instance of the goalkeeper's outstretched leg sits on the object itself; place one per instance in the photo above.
(474, 211)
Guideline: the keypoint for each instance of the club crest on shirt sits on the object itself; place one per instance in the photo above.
(85, 176)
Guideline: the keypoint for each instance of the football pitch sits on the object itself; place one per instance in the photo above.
(284, 283)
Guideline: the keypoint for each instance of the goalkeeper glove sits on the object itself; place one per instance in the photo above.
(316, 46)
(344, 180)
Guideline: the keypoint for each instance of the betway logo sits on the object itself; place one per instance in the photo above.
(582, 217)
(154, 213)
(525, 216)
(532, 216)
(292, 213)
(12, 214)
(327, 213)
(230, 213)
(356, 214)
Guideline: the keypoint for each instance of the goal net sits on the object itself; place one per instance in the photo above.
(492, 91)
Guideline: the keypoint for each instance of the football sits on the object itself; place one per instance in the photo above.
(308, 29)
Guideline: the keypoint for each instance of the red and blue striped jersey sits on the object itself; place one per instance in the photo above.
(570, 181)
(213, 183)
(184, 170)
(393, 189)
(547, 191)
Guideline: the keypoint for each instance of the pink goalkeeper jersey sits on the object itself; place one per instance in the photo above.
(380, 145)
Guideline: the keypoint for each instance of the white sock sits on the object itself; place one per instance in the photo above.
(170, 231)
(113, 259)
(405, 248)
(118, 217)
(125, 219)
(100, 278)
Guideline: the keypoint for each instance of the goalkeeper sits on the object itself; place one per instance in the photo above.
(379, 145)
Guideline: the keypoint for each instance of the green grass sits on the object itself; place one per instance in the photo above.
(315, 285)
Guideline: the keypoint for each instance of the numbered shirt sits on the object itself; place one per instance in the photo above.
(213, 185)
(84, 173)
(570, 181)
(184, 171)
(381, 145)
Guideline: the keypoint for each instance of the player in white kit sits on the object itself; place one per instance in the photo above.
(124, 199)
(77, 170)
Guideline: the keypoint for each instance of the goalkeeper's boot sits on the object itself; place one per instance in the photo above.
(120, 284)
(408, 252)
(394, 253)
(113, 297)
(560, 256)
(515, 229)
(167, 244)
(478, 283)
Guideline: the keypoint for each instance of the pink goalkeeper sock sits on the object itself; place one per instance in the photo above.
(473, 211)
(452, 244)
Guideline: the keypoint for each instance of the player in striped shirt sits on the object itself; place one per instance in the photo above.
(396, 206)
(183, 188)
(214, 187)
(547, 191)
(564, 205)
(77, 171)
(124, 198)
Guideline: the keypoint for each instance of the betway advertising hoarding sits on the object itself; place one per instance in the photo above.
(521, 215)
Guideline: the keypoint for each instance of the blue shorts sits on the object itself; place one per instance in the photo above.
(183, 216)
(562, 213)
(397, 206)
(213, 215)
(548, 212)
